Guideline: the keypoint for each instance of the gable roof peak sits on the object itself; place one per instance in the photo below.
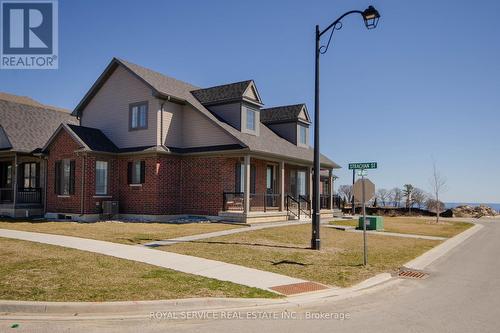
(226, 93)
(284, 113)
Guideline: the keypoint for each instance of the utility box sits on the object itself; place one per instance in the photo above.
(372, 223)
(110, 208)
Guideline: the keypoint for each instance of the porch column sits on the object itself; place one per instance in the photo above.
(310, 173)
(246, 168)
(330, 184)
(14, 182)
(281, 180)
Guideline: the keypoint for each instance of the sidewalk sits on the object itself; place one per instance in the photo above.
(179, 262)
(222, 233)
(384, 233)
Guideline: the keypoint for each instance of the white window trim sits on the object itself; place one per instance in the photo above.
(106, 179)
(299, 135)
(244, 119)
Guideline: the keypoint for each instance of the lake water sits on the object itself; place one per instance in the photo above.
(495, 206)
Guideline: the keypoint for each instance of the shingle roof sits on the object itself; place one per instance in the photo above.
(28, 124)
(267, 142)
(224, 93)
(94, 139)
(281, 113)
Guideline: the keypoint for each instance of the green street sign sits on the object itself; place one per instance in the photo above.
(363, 166)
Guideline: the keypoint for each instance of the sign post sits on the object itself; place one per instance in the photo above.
(362, 167)
(365, 252)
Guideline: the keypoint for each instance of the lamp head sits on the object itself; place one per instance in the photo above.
(371, 17)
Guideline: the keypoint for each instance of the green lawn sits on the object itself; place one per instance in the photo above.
(285, 250)
(118, 232)
(38, 272)
(417, 226)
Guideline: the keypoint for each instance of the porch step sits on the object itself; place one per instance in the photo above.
(337, 213)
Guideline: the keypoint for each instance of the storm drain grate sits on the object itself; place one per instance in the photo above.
(298, 288)
(411, 274)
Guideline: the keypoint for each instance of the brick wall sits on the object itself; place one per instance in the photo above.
(159, 195)
(173, 184)
(204, 179)
(63, 147)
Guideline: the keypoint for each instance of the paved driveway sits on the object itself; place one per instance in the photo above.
(461, 295)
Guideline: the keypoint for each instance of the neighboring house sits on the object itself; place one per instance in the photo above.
(161, 148)
(25, 127)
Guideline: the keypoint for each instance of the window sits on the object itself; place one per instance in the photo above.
(302, 135)
(250, 119)
(101, 177)
(240, 178)
(29, 174)
(138, 116)
(65, 177)
(136, 172)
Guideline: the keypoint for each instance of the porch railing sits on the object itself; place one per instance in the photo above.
(298, 206)
(325, 201)
(233, 201)
(305, 205)
(261, 202)
(6, 195)
(29, 195)
(264, 202)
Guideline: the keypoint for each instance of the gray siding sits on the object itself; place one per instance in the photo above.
(287, 131)
(172, 125)
(109, 110)
(199, 131)
(230, 113)
(4, 140)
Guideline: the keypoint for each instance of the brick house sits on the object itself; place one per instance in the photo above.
(25, 127)
(161, 148)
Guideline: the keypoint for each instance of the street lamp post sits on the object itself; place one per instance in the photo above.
(371, 17)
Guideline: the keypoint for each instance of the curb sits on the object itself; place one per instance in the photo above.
(437, 252)
(144, 309)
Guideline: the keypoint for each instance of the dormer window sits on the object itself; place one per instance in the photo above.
(250, 123)
(302, 135)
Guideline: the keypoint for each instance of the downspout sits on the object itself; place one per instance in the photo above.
(161, 123)
(45, 183)
(162, 142)
(82, 199)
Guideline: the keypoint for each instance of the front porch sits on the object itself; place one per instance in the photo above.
(21, 186)
(272, 190)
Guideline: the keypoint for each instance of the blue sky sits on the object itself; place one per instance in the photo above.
(425, 84)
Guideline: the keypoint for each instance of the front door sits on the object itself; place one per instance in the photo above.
(5, 182)
(270, 185)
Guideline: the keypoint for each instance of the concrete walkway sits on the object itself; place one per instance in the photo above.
(179, 262)
(383, 233)
(222, 233)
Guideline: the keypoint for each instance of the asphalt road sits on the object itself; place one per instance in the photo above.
(462, 294)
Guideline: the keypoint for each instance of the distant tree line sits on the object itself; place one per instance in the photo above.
(408, 196)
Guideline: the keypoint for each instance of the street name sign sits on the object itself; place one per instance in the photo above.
(363, 166)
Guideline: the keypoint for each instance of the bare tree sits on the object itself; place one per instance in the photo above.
(345, 192)
(419, 197)
(383, 195)
(396, 196)
(438, 185)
